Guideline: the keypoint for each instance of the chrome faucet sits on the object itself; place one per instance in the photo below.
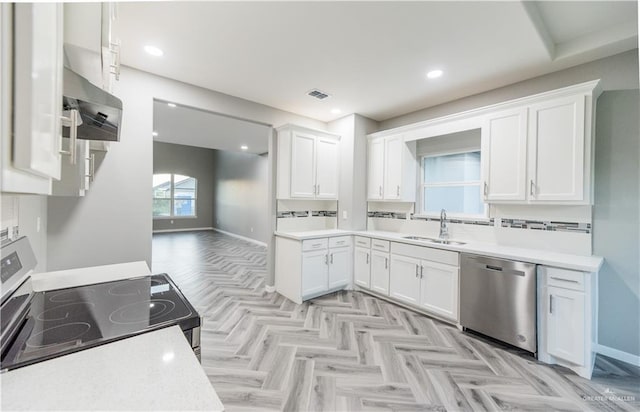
(444, 230)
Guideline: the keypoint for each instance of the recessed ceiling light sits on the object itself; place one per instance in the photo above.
(434, 74)
(244, 147)
(154, 134)
(171, 104)
(336, 111)
(153, 50)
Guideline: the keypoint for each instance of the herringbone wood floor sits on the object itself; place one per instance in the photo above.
(352, 351)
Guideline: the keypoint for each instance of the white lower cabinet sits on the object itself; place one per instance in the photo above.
(362, 266)
(427, 278)
(567, 315)
(315, 272)
(405, 280)
(310, 268)
(380, 271)
(439, 289)
(565, 324)
(339, 263)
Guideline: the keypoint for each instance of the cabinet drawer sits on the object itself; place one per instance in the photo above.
(380, 245)
(426, 253)
(340, 241)
(363, 241)
(315, 244)
(563, 278)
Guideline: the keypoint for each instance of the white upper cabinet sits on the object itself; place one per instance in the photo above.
(31, 152)
(375, 169)
(557, 143)
(541, 152)
(92, 48)
(391, 169)
(504, 155)
(307, 164)
(393, 165)
(303, 167)
(327, 168)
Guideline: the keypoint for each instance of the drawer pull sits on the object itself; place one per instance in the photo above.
(367, 258)
(564, 280)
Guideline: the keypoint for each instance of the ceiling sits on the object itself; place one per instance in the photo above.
(371, 57)
(194, 127)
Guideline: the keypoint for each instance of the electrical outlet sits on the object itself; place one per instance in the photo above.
(251, 230)
(172, 222)
(344, 214)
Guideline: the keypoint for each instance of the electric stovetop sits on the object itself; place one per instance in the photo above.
(59, 322)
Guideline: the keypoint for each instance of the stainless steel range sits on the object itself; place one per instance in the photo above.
(37, 326)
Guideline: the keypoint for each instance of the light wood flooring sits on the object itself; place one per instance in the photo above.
(352, 351)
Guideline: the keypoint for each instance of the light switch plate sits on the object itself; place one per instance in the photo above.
(344, 214)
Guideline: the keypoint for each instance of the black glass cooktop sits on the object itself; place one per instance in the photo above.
(67, 320)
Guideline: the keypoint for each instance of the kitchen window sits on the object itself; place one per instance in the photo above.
(452, 182)
(174, 196)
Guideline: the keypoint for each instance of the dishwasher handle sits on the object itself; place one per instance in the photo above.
(499, 265)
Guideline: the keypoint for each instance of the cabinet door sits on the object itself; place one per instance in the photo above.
(439, 289)
(339, 267)
(327, 168)
(303, 165)
(75, 177)
(315, 272)
(380, 272)
(565, 323)
(556, 150)
(362, 267)
(393, 167)
(38, 88)
(404, 279)
(504, 155)
(375, 169)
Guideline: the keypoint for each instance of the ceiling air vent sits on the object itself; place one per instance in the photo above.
(320, 95)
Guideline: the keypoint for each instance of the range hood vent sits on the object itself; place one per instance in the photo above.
(100, 112)
(318, 94)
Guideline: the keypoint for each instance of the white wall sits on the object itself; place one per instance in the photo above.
(113, 222)
(617, 72)
(353, 130)
(240, 197)
(616, 218)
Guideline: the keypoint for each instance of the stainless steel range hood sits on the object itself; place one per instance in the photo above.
(99, 111)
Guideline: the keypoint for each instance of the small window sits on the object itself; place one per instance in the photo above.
(174, 195)
(452, 182)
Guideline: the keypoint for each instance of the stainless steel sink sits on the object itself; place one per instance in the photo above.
(433, 240)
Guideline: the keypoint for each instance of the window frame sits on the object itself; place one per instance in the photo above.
(172, 199)
(484, 216)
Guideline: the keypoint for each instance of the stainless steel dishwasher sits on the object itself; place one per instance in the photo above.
(498, 299)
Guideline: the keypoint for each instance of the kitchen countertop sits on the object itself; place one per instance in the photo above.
(542, 257)
(86, 276)
(153, 371)
(314, 234)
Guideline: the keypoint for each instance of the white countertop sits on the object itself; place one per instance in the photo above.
(87, 276)
(542, 257)
(314, 234)
(153, 371)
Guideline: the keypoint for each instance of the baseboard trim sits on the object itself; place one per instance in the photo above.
(190, 229)
(269, 288)
(618, 354)
(248, 239)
